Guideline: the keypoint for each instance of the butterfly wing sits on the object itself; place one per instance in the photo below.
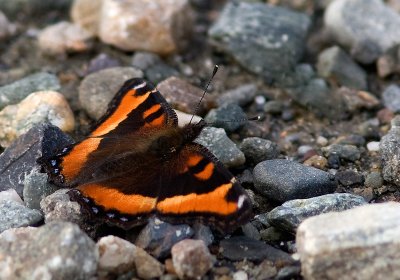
(201, 188)
(135, 111)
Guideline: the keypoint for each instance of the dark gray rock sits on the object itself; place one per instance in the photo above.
(337, 66)
(18, 166)
(391, 98)
(290, 214)
(14, 215)
(251, 231)
(264, 39)
(203, 232)
(349, 178)
(273, 107)
(100, 62)
(97, 89)
(228, 116)
(158, 237)
(241, 95)
(374, 180)
(257, 149)
(390, 153)
(240, 247)
(363, 35)
(216, 140)
(18, 90)
(284, 180)
(346, 152)
(53, 251)
(13, 8)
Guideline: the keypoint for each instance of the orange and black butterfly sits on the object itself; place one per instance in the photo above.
(138, 163)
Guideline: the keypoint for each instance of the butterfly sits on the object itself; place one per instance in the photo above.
(138, 163)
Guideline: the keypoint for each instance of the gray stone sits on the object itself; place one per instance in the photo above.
(216, 140)
(264, 39)
(367, 37)
(360, 243)
(257, 149)
(229, 117)
(391, 98)
(18, 90)
(346, 152)
(31, 7)
(390, 153)
(374, 180)
(284, 180)
(337, 66)
(14, 215)
(349, 178)
(53, 251)
(97, 89)
(290, 214)
(18, 166)
(241, 95)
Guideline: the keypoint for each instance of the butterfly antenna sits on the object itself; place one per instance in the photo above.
(256, 118)
(204, 92)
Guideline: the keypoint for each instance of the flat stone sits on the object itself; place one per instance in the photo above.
(363, 35)
(242, 95)
(97, 89)
(258, 36)
(283, 180)
(360, 243)
(27, 255)
(228, 116)
(290, 214)
(18, 90)
(216, 140)
(14, 215)
(349, 178)
(36, 108)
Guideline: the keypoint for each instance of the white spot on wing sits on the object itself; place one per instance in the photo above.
(142, 85)
(241, 200)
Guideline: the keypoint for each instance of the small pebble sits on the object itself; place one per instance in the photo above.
(316, 161)
(241, 95)
(257, 149)
(346, 152)
(373, 146)
(374, 180)
(228, 116)
(13, 215)
(11, 195)
(322, 141)
(349, 178)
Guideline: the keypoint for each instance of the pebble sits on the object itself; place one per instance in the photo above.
(145, 60)
(322, 141)
(218, 143)
(385, 116)
(241, 95)
(251, 231)
(337, 66)
(391, 98)
(373, 146)
(240, 247)
(283, 180)
(11, 195)
(352, 139)
(355, 100)
(118, 256)
(290, 214)
(164, 23)
(184, 119)
(64, 37)
(20, 169)
(204, 233)
(191, 259)
(87, 14)
(13, 215)
(15, 92)
(273, 234)
(259, 35)
(389, 62)
(316, 161)
(183, 96)
(346, 152)
(347, 23)
(228, 116)
(7, 28)
(354, 244)
(53, 251)
(257, 149)
(36, 108)
(374, 180)
(32, 7)
(349, 178)
(389, 150)
(97, 89)
(158, 237)
(100, 62)
(274, 107)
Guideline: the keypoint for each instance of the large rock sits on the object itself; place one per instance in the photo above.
(390, 153)
(360, 243)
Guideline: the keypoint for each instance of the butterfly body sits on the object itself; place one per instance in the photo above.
(138, 163)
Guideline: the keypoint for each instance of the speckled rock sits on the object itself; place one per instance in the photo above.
(228, 116)
(191, 259)
(374, 180)
(258, 36)
(164, 24)
(347, 152)
(64, 37)
(390, 154)
(216, 140)
(11, 194)
(27, 255)
(117, 256)
(37, 108)
(97, 89)
(14, 215)
(290, 214)
(257, 149)
(359, 243)
(284, 180)
(18, 90)
(391, 98)
(363, 35)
